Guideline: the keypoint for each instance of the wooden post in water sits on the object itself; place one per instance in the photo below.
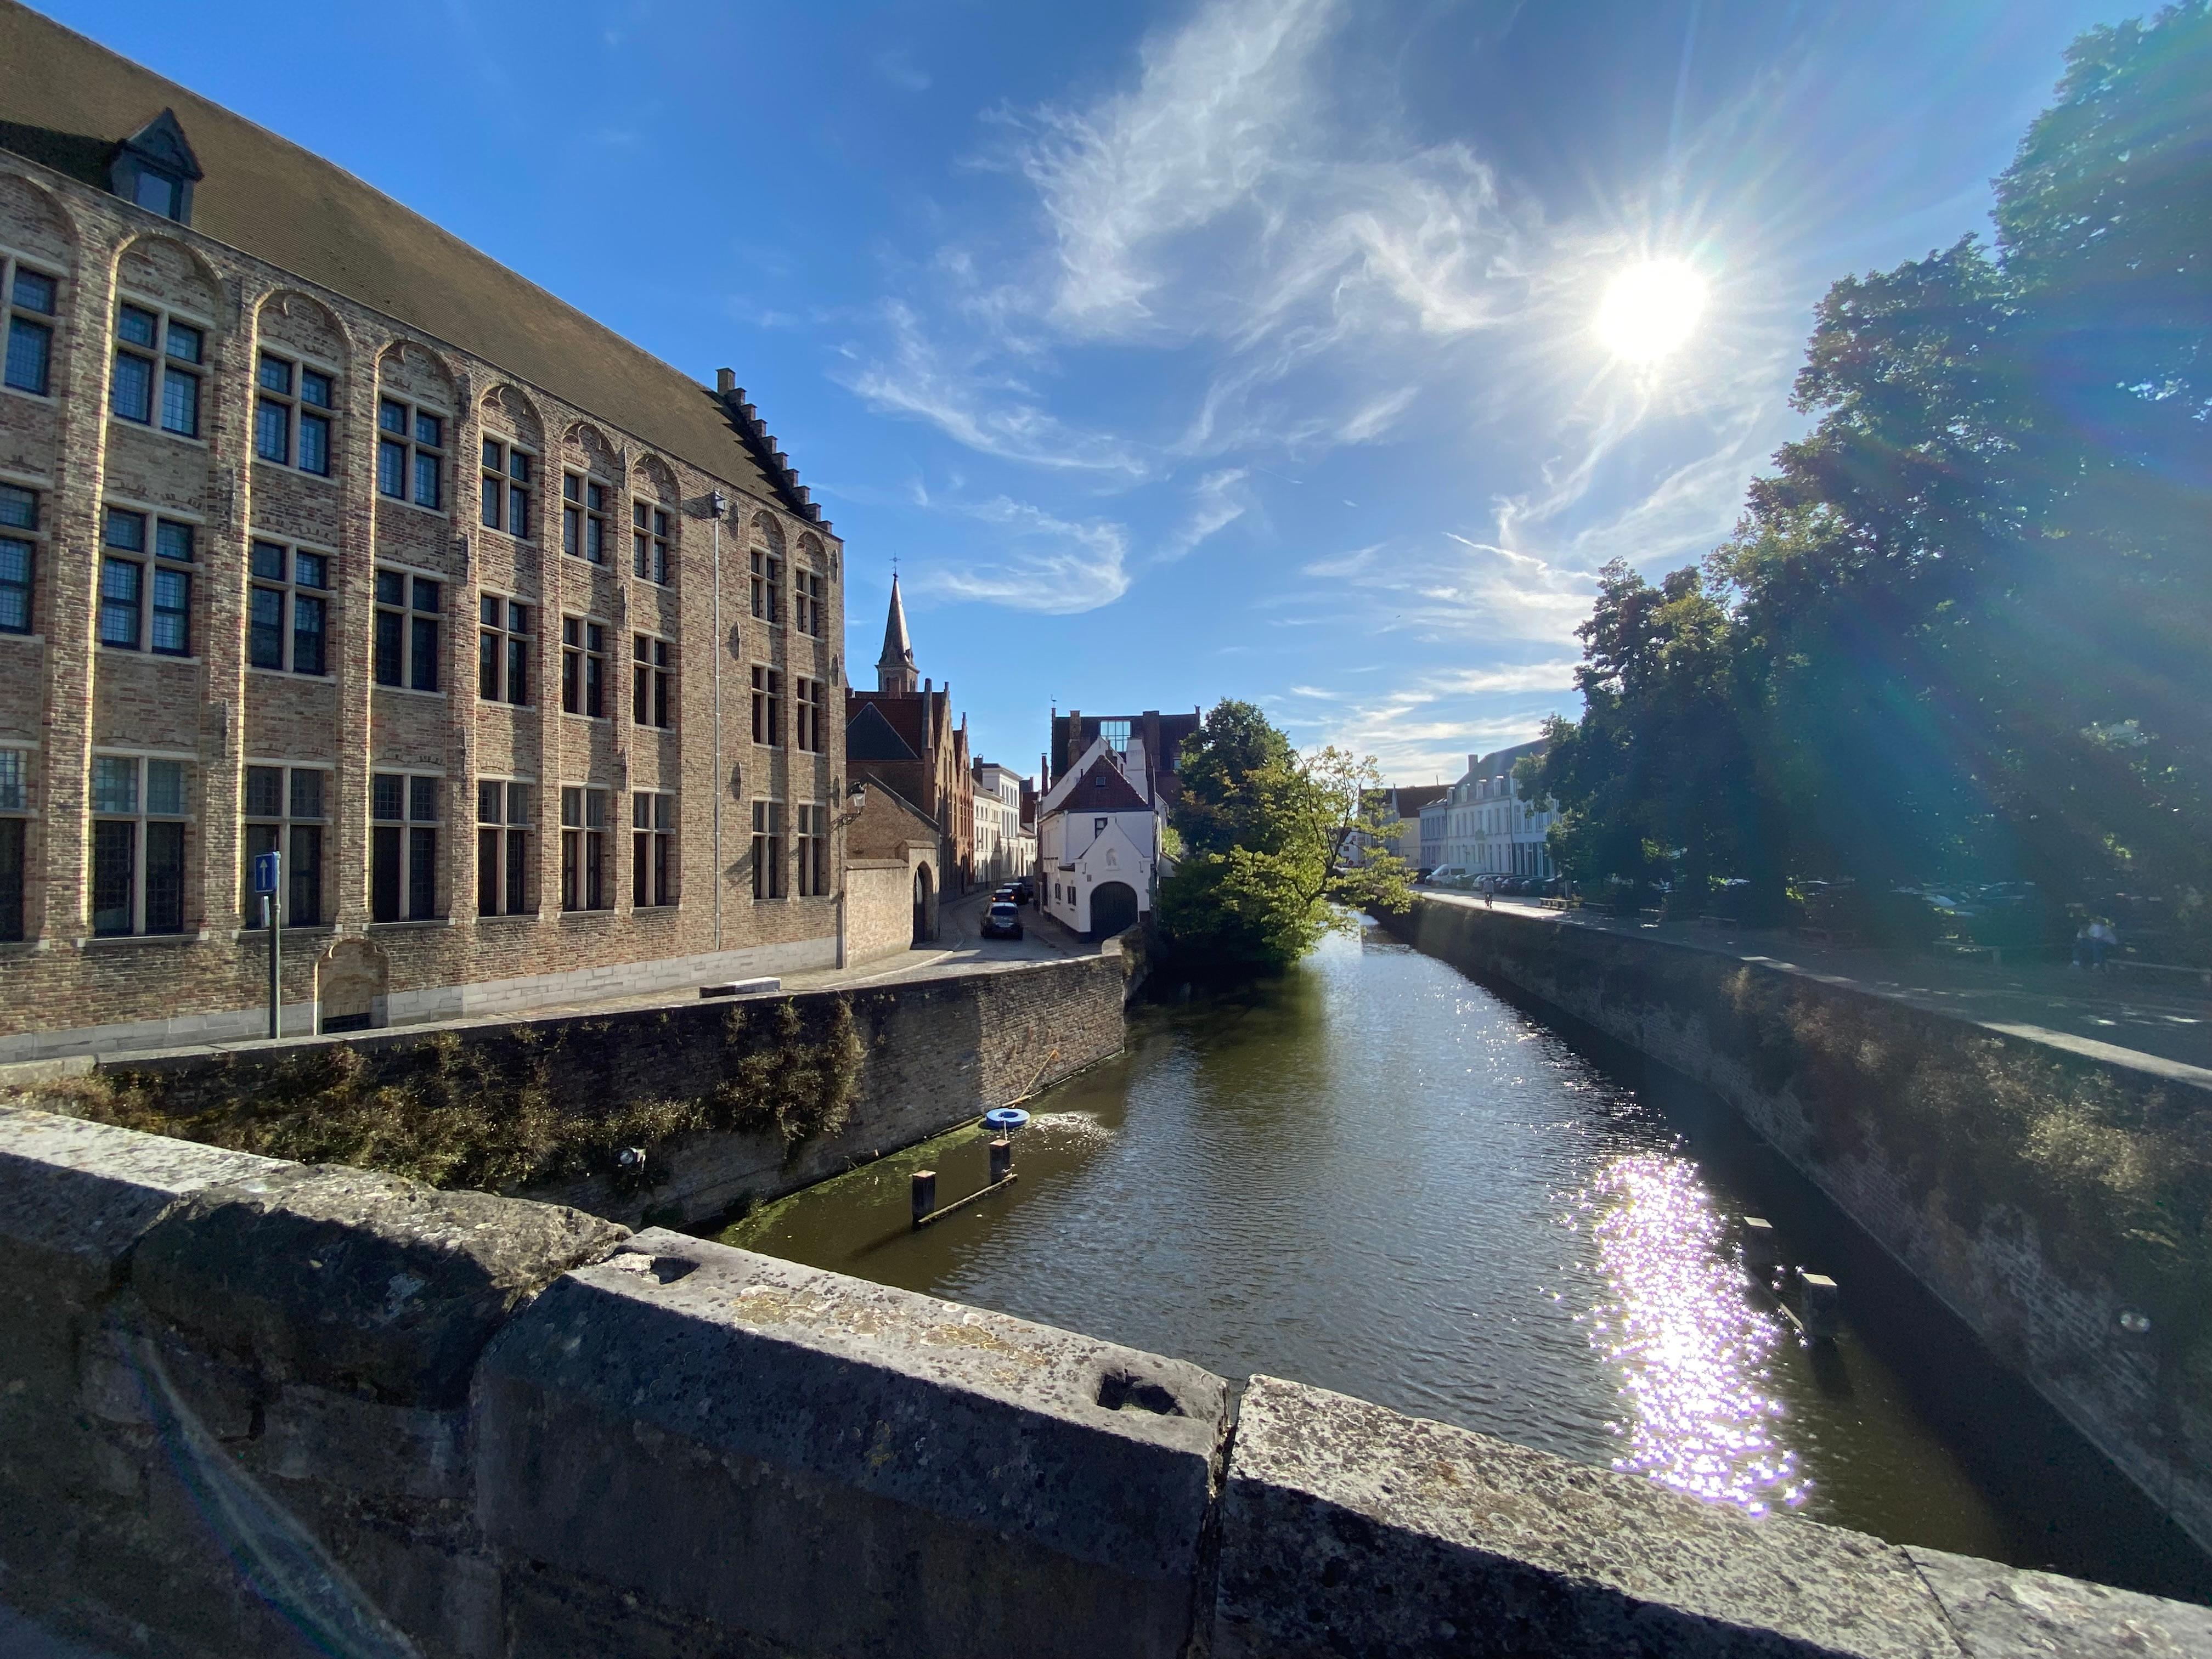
(924, 1194)
(1761, 1252)
(1002, 1159)
(1823, 1304)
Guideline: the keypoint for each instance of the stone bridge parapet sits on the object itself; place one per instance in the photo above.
(249, 1408)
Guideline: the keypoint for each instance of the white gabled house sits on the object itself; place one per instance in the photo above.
(1098, 841)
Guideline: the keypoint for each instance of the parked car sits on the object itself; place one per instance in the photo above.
(1023, 893)
(1448, 875)
(1002, 920)
(1006, 892)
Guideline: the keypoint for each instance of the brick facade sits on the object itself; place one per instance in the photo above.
(209, 717)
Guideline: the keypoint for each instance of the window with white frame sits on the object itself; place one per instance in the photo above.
(503, 867)
(146, 582)
(285, 810)
(813, 851)
(409, 613)
(288, 607)
(768, 707)
(138, 822)
(768, 849)
(767, 585)
(652, 850)
(649, 533)
(14, 840)
(806, 732)
(583, 667)
(292, 406)
(584, 849)
(410, 454)
(806, 601)
(584, 516)
(652, 677)
(19, 540)
(503, 647)
(158, 358)
(508, 469)
(30, 297)
(404, 815)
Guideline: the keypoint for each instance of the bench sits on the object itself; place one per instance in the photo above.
(2134, 966)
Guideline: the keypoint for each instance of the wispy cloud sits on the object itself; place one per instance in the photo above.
(1036, 561)
(981, 405)
(1218, 502)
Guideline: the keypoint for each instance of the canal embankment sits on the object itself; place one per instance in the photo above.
(2055, 1200)
(678, 1112)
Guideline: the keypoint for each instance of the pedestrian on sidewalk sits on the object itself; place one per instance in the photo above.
(2097, 939)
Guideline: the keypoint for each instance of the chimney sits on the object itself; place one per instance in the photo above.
(725, 380)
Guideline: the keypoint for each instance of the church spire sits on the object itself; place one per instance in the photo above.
(894, 669)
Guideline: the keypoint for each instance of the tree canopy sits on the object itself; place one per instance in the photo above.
(1274, 845)
(1961, 630)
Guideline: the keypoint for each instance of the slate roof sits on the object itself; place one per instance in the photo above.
(1101, 788)
(898, 645)
(906, 713)
(869, 736)
(1410, 798)
(69, 102)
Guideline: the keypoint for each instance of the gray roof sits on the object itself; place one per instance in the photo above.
(69, 103)
(898, 646)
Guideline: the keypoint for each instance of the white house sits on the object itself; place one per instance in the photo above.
(1004, 849)
(1482, 827)
(1098, 841)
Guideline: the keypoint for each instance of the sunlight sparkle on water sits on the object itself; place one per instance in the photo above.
(1691, 1349)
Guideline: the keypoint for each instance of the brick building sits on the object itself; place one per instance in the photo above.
(322, 533)
(903, 735)
(1159, 737)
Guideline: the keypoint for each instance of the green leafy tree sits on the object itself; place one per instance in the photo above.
(1275, 845)
(1960, 631)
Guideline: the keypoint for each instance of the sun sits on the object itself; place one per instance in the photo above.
(1651, 310)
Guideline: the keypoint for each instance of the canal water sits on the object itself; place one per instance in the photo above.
(1379, 1176)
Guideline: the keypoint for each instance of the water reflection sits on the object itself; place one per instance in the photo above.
(1690, 1352)
(1356, 1177)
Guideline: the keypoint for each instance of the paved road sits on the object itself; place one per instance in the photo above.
(960, 948)
(2161, 1020)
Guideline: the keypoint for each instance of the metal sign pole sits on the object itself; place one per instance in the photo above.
(268, 881)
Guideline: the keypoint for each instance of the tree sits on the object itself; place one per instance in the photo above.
(1960, 631)
(1271, 847)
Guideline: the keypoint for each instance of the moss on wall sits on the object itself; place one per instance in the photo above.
(488, 1114)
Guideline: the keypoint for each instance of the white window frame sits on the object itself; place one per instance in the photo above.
(290, 591)
(152, 564)
(581, 649)
(409, 823)
(653, 542)
(585, 835)
(140, 814)
(161, 363)
(504, 637)
(653, 681)
(407, 611)
(500, 493)
(408, 440)
(585, 516)
(767, 850)
(284, 820)
(32, 537)
(517, 823)
(298, 409)
(656, 880)
(12, 310)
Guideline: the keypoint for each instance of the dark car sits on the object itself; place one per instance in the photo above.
(1023, 892)
(1006, 892)
(1002, 920)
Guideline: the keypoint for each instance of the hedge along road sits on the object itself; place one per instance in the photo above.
(1378, 1176)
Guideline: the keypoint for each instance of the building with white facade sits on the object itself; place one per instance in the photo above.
(1481, 827)
(1099, 837)
(1004, 850)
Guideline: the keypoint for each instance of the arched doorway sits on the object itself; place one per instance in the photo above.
(924, 932)
(1113, 909)
(350, 982)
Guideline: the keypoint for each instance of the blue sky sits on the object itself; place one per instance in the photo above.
(1184, 351)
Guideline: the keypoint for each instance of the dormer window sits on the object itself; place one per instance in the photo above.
(159, 192)
(155, 169)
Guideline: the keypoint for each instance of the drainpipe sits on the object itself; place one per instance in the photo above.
(717, 505)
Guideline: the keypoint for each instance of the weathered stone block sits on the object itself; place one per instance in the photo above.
(75, 1196)
(1347, 1529)
(357, 1281)
(2008, 1612)
(857, 1469)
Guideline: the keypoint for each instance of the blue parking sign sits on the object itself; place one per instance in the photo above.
(265, 866)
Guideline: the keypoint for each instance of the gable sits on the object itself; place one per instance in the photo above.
(869, 736)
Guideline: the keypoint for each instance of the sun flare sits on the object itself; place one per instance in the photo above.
(1651, 310)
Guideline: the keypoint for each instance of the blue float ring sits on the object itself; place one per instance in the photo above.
(1006, 1118)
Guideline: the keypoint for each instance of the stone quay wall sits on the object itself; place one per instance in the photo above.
(2024, 1185)
(249, 1408)
(932, 1054)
